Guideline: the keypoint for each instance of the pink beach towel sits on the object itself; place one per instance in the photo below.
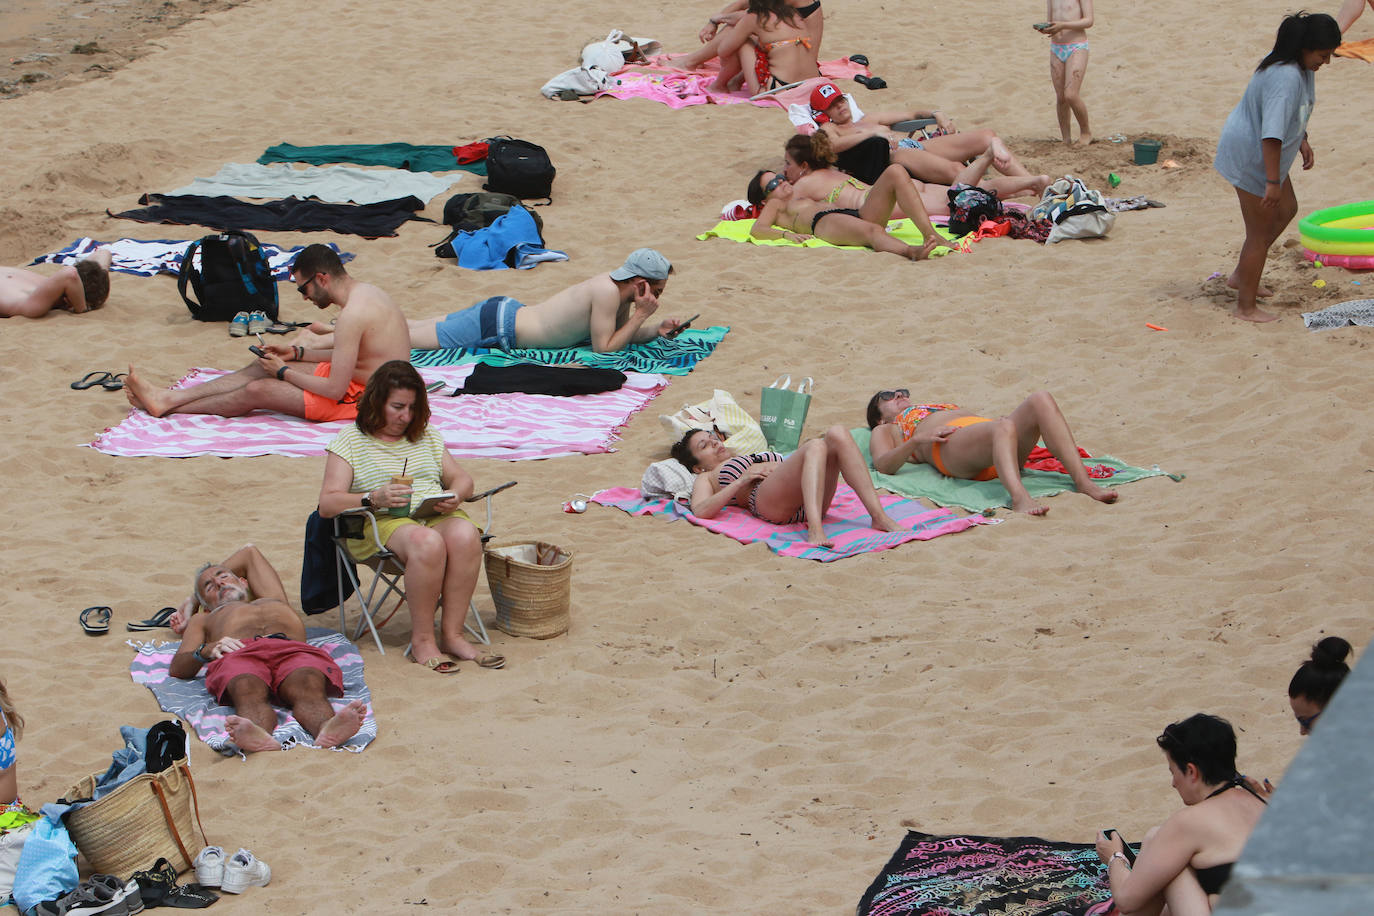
(659, 81)
(846, 523)
(515, 427)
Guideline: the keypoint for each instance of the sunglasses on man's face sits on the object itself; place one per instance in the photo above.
(304, 285)
(890, 395)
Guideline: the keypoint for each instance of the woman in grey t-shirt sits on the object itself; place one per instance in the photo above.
(1262, 137)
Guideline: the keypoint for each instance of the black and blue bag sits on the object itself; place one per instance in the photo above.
(233, 276)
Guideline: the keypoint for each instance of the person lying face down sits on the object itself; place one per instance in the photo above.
(78, 288)
(611, 310)
(253, 650)
(783, 215)
(1184, 862)
(958, 443)
(780, 490)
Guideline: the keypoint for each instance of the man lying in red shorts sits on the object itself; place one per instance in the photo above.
(254, 649)
(317, 384)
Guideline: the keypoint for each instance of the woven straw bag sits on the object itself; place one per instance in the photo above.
(531, 586)
(147, 818)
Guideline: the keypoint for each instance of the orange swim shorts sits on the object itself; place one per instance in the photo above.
(988, 473)
(321, 409)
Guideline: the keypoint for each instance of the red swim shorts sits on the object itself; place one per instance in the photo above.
(321, 409)
(271, 660)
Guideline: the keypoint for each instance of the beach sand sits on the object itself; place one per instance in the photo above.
(722, 730)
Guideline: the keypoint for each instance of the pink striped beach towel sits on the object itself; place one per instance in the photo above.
(515, 427)
(846, 522)
(659, 81)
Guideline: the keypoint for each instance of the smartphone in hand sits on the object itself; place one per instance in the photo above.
(682, 327)
(256, 350)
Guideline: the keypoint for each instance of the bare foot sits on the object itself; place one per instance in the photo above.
(1068, 141)
(1029, 506)
(462, 650)
(1100, 494)
(928, 245)
(343, 725)
(815, 534)
(249, 736)
(1255, 314)
(1084, 139)
(1001, 156)
(1263, 292)
(142, 395)
(1041, 183)
(885, 522)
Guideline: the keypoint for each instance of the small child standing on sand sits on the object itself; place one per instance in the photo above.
(1069, 21)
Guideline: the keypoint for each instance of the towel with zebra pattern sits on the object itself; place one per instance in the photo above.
(660, 355)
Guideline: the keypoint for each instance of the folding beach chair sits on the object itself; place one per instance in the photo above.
(388, 570)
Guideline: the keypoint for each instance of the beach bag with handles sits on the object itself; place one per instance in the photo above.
(147, 818)
(782, 412)
(519, 167)
(233, 276)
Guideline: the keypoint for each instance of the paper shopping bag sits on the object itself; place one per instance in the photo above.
(782, 412)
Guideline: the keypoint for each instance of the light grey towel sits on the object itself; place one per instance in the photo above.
(1343, 315)
(337, 183)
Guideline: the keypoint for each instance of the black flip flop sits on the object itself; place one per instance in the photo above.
(157, 621)
(285, 327)
(93, 378)
(860, 59)
(115, 382)
(96, 620)
(872, 82)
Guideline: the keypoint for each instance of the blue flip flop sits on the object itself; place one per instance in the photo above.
(96, 620)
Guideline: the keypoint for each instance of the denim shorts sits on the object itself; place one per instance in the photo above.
(490, 323)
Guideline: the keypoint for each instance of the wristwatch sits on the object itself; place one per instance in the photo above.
(281, 373)
(200, 658)
(367, 501)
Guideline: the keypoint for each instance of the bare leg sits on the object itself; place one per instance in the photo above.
(1039, 417)
(251, 726)
(894, 194)
(1075, 69)
(423, 553)
(303, 692)
(701, 55)
(423, 333)
(1263, 226)
(463, 549)
(1061, 105)
(968, 144)
(231, 395)
(844, 456)
(843, 229)
(1349, 12)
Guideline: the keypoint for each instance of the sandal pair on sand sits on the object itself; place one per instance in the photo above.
(110, 381)
(157, 886)
(440, 664)
(95, 621)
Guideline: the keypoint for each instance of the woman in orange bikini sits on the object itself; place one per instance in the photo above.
(959, 444)
(782, 48)
(718, 26)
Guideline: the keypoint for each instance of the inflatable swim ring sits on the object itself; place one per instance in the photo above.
(1341, 236)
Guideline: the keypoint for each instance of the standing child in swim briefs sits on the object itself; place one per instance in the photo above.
(1069, 21)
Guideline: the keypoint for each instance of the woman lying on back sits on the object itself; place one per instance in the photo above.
(782, 491)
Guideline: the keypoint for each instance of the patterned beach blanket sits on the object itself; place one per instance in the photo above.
(190, 701)
(986, 876)
(515, 427)
(163, 256)
(846, 523)
(658, 80)
(737, 230)
(668, 357)
(922, 480)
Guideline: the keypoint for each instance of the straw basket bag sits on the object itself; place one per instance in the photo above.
(531, 586)
(147, 818)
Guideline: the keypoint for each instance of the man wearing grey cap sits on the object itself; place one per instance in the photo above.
(611, 310)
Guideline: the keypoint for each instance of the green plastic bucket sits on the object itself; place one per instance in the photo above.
(1147, 152)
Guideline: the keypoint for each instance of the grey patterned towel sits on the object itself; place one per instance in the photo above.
(1343, 315)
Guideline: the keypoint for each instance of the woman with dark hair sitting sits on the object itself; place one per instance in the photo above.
(1316, 680)
(959, 444)
(1184, 862)
(778, 490)
(442, 554)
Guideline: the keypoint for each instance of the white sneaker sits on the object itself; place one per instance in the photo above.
(238, 327)
(210, 866)
(258, 322)
(244, 870)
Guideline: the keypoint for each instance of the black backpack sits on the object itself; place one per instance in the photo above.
(969, 207)
(519, 167)
(233, 277)
(478, 210)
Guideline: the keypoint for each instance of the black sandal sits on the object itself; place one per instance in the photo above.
(93, 378)
(157, 621)
(96, 620)
(157, 886)
(872, 82)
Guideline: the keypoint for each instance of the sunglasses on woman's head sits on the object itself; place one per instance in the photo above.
(889, 395)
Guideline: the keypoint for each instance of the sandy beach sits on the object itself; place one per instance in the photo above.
(723, 729)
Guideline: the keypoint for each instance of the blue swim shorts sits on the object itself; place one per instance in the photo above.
(490, 323)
